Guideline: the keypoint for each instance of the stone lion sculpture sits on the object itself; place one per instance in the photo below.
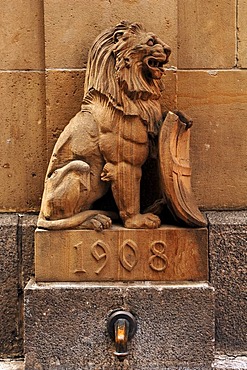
(107, 142)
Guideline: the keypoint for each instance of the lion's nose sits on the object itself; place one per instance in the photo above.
(167, 50)
(163, 48)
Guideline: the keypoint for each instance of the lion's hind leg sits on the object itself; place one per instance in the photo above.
(68, 197)
(66, 191)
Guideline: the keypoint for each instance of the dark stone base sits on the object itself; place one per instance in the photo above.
(65, 326)
(10, 332)
(227, 255)
(227, 244)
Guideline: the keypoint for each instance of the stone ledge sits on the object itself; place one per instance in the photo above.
(227, 218)
(228, 362)
(221, 362)
(11, 364)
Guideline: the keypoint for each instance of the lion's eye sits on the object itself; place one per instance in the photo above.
(150, 42)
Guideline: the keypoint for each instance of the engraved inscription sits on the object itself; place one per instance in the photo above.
(169, 254)
(78, 258)
(158, 261)
(99, 251)
(129, 255)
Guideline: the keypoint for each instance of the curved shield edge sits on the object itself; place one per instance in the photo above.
(175, 170)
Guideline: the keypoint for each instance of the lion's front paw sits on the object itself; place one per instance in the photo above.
(145, 221)
(108, 173)
(98, 223)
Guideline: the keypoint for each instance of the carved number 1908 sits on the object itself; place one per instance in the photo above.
(129, 255)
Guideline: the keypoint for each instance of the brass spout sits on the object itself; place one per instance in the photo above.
(121, 328)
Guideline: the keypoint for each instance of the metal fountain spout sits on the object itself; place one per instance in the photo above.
(121, 327)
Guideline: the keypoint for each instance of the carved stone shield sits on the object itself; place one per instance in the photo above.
(174, 143)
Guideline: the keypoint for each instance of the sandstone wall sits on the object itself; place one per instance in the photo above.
(44, 46)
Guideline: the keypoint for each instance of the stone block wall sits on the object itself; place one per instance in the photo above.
(10, 302)
(44, 46)
(22, 110)
(228, 257)
(16, 268)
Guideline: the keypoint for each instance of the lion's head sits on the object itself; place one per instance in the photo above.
(125, 64)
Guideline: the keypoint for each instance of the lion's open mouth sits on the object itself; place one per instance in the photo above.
(153, 63)
(155, 66)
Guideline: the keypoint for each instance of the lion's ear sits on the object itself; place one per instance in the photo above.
(117, 35)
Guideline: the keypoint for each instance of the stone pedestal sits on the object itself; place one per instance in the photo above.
(82, 276)
(166, 254)
(65, 325)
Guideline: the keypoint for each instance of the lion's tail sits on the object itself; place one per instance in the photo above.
(73, 221)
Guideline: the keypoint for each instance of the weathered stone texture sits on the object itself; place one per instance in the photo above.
(21, 34)
(242, 33)
(230, 362)
(228, 257)
(206, 34)
(27, 225)
(169, 91)
(66, 326)
(11, 365)
(10, 312)
(64, 93)
(16, 268)
(119, 254)
(22, 143)
(207, 39)
(70, 28)
(217, 100)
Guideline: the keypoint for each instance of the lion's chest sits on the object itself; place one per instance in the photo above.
(111, 120)
(122, 138)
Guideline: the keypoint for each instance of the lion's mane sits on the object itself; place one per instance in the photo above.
(115, 71)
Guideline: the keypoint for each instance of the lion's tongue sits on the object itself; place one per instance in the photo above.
(156, 73)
